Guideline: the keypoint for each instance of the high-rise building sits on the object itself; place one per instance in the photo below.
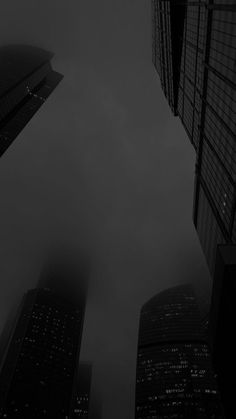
(167, 39)
(194, 52)
(174, 377)
(214, 203)
(82, 388)
(26, 81)
(221, 325)
(37, 375)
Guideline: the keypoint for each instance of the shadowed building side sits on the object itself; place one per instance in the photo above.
(191, 68)
(215, 182)
(174, 373)
(26, 81)
(38, 372)
(205, 83)
(167, 37)
(222, 324)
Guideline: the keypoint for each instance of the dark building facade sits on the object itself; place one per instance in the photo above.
(26, 81)
(215, 192)
(82, 388)
(167, 32)
(37, 374)
(174, 377)
(222, 324)
(199, 81)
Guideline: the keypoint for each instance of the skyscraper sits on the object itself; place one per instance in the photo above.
(167, 39)
(194, 51)
(26, 81)
(36, 379)
(222, 324)
(82, 388)
(214, 203)
(174, 373)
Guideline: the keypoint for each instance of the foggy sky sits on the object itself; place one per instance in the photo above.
(103, 165)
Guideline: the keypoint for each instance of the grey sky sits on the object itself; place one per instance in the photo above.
(103, 164)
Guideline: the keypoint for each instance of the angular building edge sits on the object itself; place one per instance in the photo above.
(26, 81)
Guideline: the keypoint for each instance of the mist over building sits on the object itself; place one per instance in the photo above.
(174, 377)
(198, 79)
(184, 38)
(96, 405)
(26, 81)
(42, 356)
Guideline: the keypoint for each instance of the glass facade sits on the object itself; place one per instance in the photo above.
(191, 70)
(37, 376)
(206, 105)
(167, 29)
(26, 81)
(216, 155)
(174, 373)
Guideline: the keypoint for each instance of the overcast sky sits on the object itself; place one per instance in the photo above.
(105, 165)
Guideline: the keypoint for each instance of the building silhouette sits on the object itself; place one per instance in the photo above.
(82, 388)
(37, 375)
(194, 52)
(174, 376)
(26, 81)
(222, 323)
